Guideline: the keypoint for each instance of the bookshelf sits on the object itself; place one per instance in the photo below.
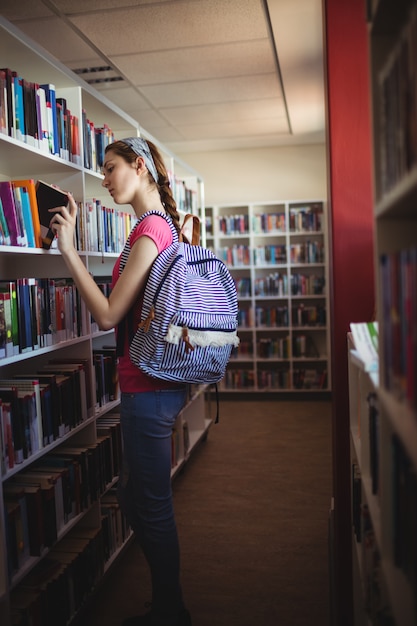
(384, 447)
(277, 253)
(77, 448)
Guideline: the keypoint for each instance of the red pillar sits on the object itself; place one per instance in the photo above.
(351, 246)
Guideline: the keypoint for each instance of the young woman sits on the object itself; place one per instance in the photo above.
(134, 173)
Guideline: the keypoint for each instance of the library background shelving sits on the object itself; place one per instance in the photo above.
(383, 406)
(89, 528)
(278, 255)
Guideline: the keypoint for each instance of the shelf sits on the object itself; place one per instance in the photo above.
(267, 289)
(90, 478)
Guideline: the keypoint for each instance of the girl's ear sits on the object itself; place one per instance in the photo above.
(140, 163)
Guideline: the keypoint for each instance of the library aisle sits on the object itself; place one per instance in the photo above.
(252, 509)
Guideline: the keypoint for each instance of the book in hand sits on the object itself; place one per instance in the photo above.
(48, 197)
(365, 339)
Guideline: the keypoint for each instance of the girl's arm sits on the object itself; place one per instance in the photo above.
(107, 312)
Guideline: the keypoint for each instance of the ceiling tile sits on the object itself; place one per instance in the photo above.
(127, 98)
(232, 129)
(271, 110)
(23, 9)
(50, 32)
(231, 89)
(224, 60)
(172, 25)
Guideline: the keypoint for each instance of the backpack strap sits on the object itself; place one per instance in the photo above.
(126, 325)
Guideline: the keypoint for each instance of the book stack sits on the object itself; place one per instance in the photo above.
(306, 219)
(38, 408)
(32, 113)
(38, 312)
(105, 229)
(269, 223)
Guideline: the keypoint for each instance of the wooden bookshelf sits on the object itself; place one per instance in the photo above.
(86, 522)
(383, 408)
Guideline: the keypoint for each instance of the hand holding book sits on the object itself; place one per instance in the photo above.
(48, 197)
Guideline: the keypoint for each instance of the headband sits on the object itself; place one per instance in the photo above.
(141, 148)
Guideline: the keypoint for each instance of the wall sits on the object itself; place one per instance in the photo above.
(262, 174)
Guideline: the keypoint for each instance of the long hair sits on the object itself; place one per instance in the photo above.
(122, 149)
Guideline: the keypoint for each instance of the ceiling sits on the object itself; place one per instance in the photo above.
(198, 75)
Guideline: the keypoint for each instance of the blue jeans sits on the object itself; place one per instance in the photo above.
(145, 492)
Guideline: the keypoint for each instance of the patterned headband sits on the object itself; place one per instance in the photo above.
(141, 148)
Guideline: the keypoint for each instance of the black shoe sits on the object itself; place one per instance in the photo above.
(146, 620)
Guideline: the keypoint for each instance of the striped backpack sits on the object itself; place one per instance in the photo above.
(189, 312)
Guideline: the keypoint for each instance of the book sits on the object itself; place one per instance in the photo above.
(4, 229)
(31, 494)
(9, 397)
(365, 339)
(9, 289)
(3, 104)
(9, 101)
(31, 386)
(50, 95)
(9, 210)
(48, 197)
(29, 185)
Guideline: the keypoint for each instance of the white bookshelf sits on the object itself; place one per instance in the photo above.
(278, 255)
(22, 161)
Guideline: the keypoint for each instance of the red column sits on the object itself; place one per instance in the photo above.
(351, 245)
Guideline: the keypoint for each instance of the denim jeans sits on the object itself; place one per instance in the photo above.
(145, 493)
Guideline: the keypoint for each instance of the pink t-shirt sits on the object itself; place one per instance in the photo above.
(131, 378)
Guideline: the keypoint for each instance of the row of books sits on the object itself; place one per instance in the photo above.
(106, 375)
(404, 511)
(38, 408)
(306, 219)
(263, 316)
(269, 255)
(397, 84)
(275, 284)
(60, 584)
(308, 315)
(114, 525)
(279, 379)
(266, 223)
(24, 212)
(233, 224)
(242, 255)
(307, 284)
(273, 347)
(243, 287)
(307, 252)
(95, 141)
(41, 501)
(235, 256)
(301, 220)
(309, 378)
(374, 590)
(34, 114)
(185, 198)
(276, 379)
(37, 312)
(398, 273)
(245, 349)
(103, 229)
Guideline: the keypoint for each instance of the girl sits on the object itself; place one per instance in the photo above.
(134, 173)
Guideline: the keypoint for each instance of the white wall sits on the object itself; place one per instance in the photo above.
(262, 175)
